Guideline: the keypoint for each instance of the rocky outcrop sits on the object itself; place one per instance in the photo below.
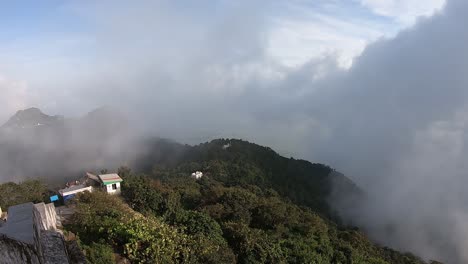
(53, 247)
(75, 253)
(15, 251)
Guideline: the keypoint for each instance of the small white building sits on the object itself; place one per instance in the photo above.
(111, 183)
(228, 145)
(197, 175)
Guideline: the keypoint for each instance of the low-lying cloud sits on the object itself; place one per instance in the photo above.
(397, 125)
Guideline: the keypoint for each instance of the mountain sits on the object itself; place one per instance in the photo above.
(238, 162)
(251, 205)
(34, 144)
(31, 118)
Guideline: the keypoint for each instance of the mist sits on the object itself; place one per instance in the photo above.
(56, 149)
(397, 123)
(394, 121)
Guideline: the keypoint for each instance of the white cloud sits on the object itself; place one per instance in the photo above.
(15, 95)
(405, 11)
(303, 32)
(296, 42)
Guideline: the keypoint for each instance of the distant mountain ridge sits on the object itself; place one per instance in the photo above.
(34, 144)
(31, 117)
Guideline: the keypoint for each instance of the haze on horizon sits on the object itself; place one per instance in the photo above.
(376, 89)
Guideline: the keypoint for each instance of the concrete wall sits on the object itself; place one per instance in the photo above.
(110, 191)
(51, 244)
(45, 216)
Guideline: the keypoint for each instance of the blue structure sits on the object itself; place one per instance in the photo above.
(68, 197)
(54, 198)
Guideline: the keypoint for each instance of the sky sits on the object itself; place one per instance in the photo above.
(374, 88)
(71, 37)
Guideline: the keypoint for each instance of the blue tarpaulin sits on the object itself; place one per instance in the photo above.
(54, 198)
(68, 197)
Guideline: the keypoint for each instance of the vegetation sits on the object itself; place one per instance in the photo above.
(259, 225)
(239, 163)
(251, 206)
(17, 193)
(99, 253)
(167, 216)
(142, 239)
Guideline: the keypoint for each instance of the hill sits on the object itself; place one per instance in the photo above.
(182, 220)
(237, 162)
(250, 206)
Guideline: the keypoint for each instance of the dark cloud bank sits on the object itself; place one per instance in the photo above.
(395, 122)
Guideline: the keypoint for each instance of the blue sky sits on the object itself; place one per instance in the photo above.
(345, 26)
(26, 19)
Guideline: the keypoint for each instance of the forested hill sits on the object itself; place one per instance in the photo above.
(250, 206)
(238, 162)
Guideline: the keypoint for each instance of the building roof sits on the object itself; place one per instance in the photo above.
(72, 189)
(110, 178)
(92, 176)
(19, 225)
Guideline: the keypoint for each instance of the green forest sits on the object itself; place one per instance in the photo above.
(250, 206)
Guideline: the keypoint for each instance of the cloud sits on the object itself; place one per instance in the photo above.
(305, 31)
(296, 42)
(397, 125)
(405, 11)
(15, 95)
